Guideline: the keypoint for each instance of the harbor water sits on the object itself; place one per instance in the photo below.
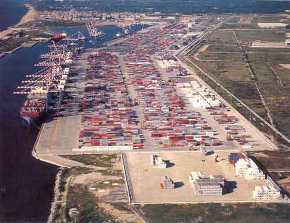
(26, 184)
(11, 11)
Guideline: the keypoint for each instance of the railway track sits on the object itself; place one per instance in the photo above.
(182, 55)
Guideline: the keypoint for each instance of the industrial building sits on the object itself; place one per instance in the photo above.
(158, 162)
(197, 95)
(164, 64)
(266, 192)
(167, 183)
(202, 185)
(287, 42)
(271, 190)
(248, 169)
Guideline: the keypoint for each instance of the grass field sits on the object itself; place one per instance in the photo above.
(96, 160)
(81, 198)
(229, 59)
(96, 190)
(276, 160)
(266, 35)
(214, 213)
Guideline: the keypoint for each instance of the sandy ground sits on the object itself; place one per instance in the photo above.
(29, 16)
(287, 66)
(200, 50)
(149, 191)
(59, 136)
(271, 25)
(246, 20)
(109, 190)
(285, 183)
(120, 215)
(259, 44)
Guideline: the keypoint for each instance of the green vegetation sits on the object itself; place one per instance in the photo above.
(24, 34)
(95, 160)
(11, 43)
(111, 172)
(122, 206)
(229, 59)
(80, 170)
(80, 198)
(85, 202)
(273, 159)
(266, 35)
(238, 26)
(62, 23)
(270, 18)
(217, 213)
(102, 185)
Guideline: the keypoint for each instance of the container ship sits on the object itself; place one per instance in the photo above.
(58, 37)
(44, 88)
(33, 108)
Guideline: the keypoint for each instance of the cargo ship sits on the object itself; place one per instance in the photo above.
(33, 108)
(44, 88)
(58, 37)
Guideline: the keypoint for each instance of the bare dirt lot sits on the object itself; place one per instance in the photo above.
(146, 179)
(259, 44)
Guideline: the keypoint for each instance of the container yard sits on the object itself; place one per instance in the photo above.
(135, 95)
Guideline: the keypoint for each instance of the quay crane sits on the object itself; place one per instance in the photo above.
(93, 31)
(44, 88)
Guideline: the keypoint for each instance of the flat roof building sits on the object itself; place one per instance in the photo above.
(167, 183)
(248, 169)
(266, 192)
(158, 162)
(202, 185)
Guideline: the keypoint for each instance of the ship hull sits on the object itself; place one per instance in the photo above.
(31, 117)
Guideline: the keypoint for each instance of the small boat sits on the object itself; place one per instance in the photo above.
(58, 37)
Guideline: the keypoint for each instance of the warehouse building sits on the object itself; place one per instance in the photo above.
(202, 185)
(266, 192)
(167, 183)
(248, 169)
(287, 42)
(158, 162)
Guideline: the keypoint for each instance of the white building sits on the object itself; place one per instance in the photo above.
(167, 183)
(208, 186)
(266, 192)
(166, 63)
(158, 162)
(248, 169)
(197, 95)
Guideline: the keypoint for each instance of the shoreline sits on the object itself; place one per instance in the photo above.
(29, 16)
(56, 195)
